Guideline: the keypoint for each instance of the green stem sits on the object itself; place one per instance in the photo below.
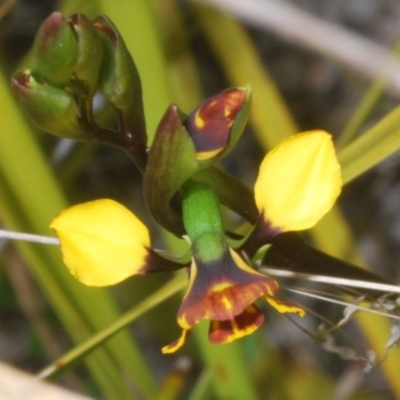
(202, 220)
(201, 211)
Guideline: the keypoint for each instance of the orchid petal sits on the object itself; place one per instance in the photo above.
(299, 181)
(242, 325)
(102, 242)
(285, 307)
(176, 344)
(220, 290)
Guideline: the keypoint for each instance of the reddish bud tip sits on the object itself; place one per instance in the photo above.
(50, 30)
(102, 25)
(21, 81)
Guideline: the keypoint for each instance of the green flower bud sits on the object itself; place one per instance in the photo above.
(120, 84)
(55, 50)
(68, 50)
(50, 108)
(119, 78)
(89, 51)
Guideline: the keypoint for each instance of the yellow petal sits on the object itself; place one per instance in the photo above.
(285, 307)
(299, 181)
(102, 242)
(176, 344)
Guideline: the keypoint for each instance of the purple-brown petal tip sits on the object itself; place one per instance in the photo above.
(222, 289)
(242, 325)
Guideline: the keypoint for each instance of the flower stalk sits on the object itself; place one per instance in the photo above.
(202, 219)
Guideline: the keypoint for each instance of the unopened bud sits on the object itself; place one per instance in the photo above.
(119, 79)
(55, 50)
(68, 50)
(50, 108)
(216, 124)
(89, 51)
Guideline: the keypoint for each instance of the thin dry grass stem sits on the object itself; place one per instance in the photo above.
(333, 280)
(386, 306)
(324, 336)
(361, 55)
(353, 305)
(29, 237)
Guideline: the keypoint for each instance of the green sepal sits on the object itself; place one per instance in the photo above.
(89, 52)
(171, 162)
(120, 84)
(50, 108)
(55, 50)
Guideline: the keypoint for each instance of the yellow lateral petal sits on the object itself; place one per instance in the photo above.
(102, 242)
(299, 181)
(176, 344)
(285, 307)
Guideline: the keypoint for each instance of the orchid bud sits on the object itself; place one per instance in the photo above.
(55, 50)
(216, 124)
(120, 84)
(90, 51)
(50, 108)
(66, 50)
(119, 79)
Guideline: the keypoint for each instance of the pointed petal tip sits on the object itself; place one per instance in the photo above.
(285, 307)
(299, 181)
(176, 344)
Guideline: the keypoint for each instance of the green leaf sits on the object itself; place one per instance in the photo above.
(374, 146)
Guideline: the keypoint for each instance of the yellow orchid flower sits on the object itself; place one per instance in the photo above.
(103, 243)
